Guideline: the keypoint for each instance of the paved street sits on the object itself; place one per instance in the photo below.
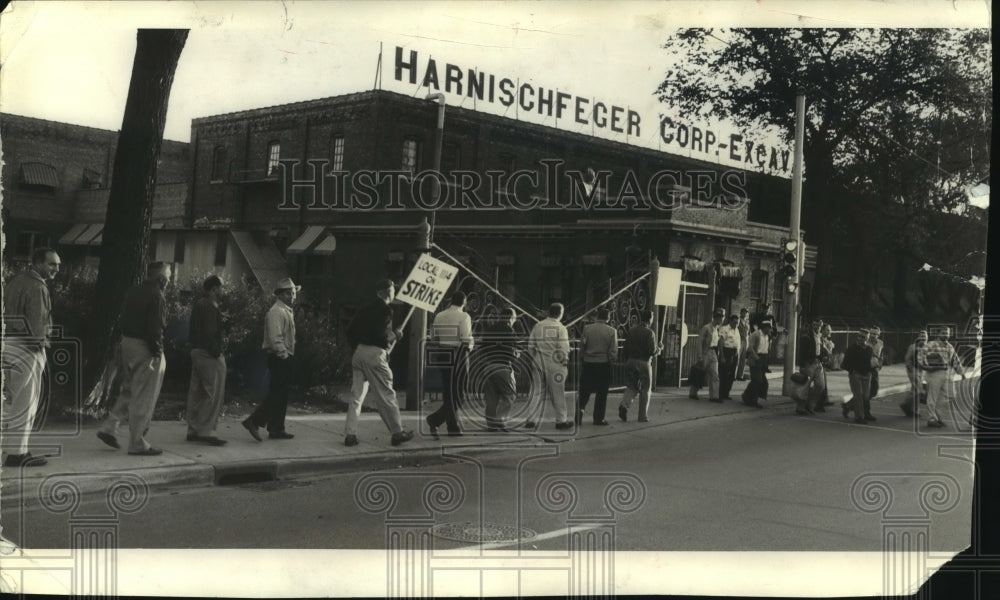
(699, 476)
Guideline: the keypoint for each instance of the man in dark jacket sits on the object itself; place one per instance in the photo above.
(497, 353)
(858, 364)
(144, 317)
(808, 361)
(640, 348)
(208, 366)
(372, 336)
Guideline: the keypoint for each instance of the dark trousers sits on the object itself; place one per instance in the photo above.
(271, 412)
(452, 386)
(595, 378)
(758, 386)
(874, 384)
(728, 360)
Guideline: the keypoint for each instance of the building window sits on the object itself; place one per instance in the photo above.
(27, 241)
(337, 153)
(179, 247)
(220, 162)
(273, 156)
(507, 162)
(758, 289)
(221, 248)
(451, 157)
(92, 179)
(411, 154)
(778, 302)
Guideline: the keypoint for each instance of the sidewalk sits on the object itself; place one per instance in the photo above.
(318, 447)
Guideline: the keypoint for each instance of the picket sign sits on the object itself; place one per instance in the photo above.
(426, 285)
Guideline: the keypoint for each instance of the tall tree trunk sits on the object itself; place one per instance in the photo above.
(130, 202)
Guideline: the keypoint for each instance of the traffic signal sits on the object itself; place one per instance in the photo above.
(789, 258)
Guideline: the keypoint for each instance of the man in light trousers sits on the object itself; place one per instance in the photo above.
(208, 366)
(28, 318)
(708, 338)
(939, 362)
(548, 343)
(372, 335)
(142, 365)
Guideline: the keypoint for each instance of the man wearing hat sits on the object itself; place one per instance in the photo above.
(709, 346)
(914, 373)
(372, 336)
(758, 346)
(876, 345)
(938, 360)
(729, 352)
(279, 342)
(208, 366)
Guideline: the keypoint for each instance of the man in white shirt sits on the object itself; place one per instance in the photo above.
(452, 332)
(758, 345)
(708, 339)
(549, 346)
(279, 342)
(729, 353)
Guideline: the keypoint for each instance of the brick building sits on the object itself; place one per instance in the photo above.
(55, 185)
(337, 186)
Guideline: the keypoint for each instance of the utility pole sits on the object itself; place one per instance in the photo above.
(792, 283)
(418, 323)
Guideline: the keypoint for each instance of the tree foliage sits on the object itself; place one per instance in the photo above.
(898, 121)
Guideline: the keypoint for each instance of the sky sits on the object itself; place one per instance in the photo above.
(71, 61)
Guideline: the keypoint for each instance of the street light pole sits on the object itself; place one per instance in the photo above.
(792, 303)
(418, 322)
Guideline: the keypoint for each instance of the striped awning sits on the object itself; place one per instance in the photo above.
(96, 240)
(86, 236)
(73, 233)
(327, 246)
(39, 174)
(306, 240)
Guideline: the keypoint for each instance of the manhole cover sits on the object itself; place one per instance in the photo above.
(478, 533)
(271, 486)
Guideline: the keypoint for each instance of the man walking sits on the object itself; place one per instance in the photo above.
(914, 373)
(640, 348)
(372, 336)
(452, 330)
(877, 346)
(207, 390)
(729, 350)
(858, 364)
(498, 351)
(548, 343)
(744, 328)
(27, 319)
(279, 342)
(758, 346)
(708, 339)
(939, 363)
(144, 317)
(599, 349)
(810, 349)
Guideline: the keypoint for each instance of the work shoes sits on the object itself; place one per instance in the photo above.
(24, 460)
(529, 424)
(401, 437)
(252, 428)
(151, 451)
(108, 439)
(211, 440)
(935, 423)
(600, 423)
(565, 425)
(351, 440)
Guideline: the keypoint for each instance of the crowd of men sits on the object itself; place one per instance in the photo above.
(727, 348)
